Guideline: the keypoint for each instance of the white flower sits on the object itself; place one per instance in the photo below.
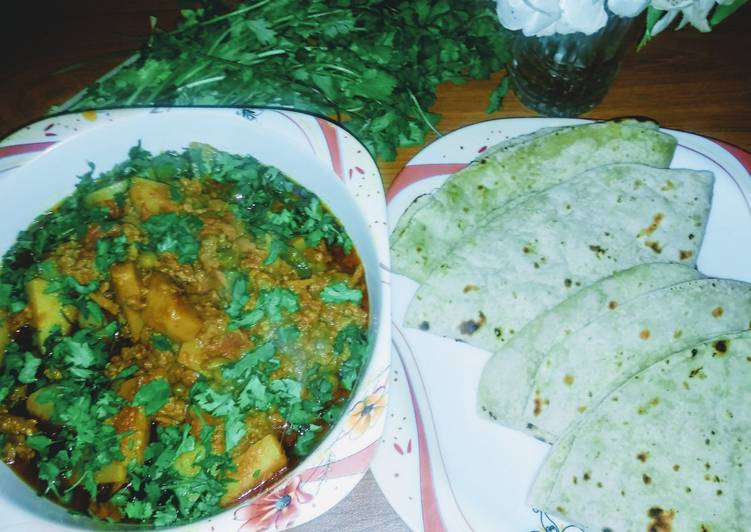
(546, 17)
(695, 12)
(627, 8)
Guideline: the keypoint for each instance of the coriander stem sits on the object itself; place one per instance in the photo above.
(422, 114)
(219, 40)
(339, 68)
(201, 82)
(225, 16)
(191, 73)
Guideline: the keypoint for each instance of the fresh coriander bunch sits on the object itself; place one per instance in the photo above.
(373, 65)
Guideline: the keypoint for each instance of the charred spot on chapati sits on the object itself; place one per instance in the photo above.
(720, 347)
(662, 521)
(651, 228)
(654, 246)
(471, 326)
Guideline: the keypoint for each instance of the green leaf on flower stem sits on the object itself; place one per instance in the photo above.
(722, 12)
(653, 15)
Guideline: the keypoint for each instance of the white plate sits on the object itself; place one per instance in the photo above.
(38, 167)
(441, 466)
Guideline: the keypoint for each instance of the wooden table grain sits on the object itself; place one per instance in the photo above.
(684, 80)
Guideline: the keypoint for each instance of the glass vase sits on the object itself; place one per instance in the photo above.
(567, 75)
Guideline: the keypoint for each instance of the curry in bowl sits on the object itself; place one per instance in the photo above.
(176, 335)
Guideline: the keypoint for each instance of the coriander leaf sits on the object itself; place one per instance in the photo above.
(276, 248)
(38, 442)
(71, 284)
(5, 295)
(254, 395)
(165, 516)
(307, 440)
(110, 251)
(321, 389)
(240, 296)
(287, 335)
(355, 340)
(286, 390)
(127, 372)
(49, 472)
(274, 301)
(247, 320)
(234, 429)
(249, 361)
(340, 293)
(152, 396)
(373, 83)
(333, 413)
(29, 369)
(140, 510)
(78, 354)
(92, 312)
(214, 402)
(7, 382)
(270, 304)
(175, 233)
(262, 31)
(161, 342)
(496, 97)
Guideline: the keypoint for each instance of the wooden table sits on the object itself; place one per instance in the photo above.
(684, 80)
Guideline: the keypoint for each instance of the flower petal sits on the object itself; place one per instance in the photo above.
(627, 8)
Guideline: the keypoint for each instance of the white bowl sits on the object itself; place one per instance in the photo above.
(38, 167)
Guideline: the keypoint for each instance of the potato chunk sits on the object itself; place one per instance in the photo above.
(47, 310)
(192, 355)
(185, 463)
(167, 311)
(128, 293)
(256, 463)
(41, 407)
(105, 196)
(150, 197)
(133, 446)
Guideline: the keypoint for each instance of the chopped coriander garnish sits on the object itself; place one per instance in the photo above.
(29, 369)
(38, 442)
(271, 304)
(152, 396)
(340, 292)
(175, 233)
(110, 251)
(161, 342)
(240, 296)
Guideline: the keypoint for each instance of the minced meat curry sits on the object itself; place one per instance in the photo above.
(175, 335)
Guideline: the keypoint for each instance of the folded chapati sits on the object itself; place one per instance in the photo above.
(547, 246)
(668, 450)
(435, 224)
(587, 365)
(507, 378)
